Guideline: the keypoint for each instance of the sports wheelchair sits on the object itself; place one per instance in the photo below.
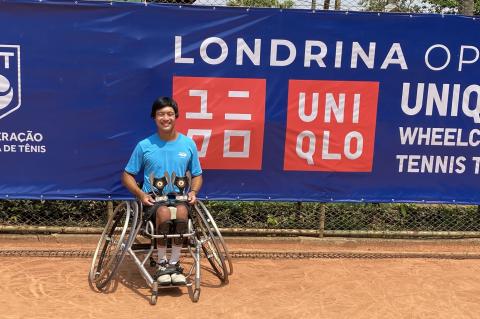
(129, 229)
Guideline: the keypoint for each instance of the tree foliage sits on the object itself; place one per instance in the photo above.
(452, 6)
(415, 6)
(395, 6)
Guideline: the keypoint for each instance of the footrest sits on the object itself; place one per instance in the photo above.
(187, 284)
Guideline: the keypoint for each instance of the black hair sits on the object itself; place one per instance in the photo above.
(162, 102)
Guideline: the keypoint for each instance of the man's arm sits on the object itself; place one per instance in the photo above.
(128, 180)
(197, 182)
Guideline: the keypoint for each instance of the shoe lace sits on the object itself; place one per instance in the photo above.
(178, 269)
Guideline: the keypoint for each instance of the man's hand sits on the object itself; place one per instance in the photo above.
(192, 197)
(129, 182)
(146, 199)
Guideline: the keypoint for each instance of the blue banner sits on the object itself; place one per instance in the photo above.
(288, 105)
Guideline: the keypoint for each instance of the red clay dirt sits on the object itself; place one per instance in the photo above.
(44, 287)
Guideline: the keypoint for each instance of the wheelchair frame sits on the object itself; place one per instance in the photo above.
(126, 224)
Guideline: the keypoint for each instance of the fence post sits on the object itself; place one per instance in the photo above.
(326, 4)
(109, 209)
(466, 7)
(314, 4)
(338, 3)
(321, 225)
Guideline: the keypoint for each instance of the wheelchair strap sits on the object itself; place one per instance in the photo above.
(173, 212)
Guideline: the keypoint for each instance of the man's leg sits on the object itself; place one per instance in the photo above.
(181, 227)
(163, 224)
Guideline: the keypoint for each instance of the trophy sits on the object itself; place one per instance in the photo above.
(159, 184)
(180, 182)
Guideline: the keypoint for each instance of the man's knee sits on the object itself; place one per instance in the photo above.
(172, 220)
(163, 221)
(182, 212)
(162, 214)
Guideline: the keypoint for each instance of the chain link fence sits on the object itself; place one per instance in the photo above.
(267, 218)
(22, 213)
(365, 219)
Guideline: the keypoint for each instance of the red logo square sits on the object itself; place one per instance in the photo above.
(225, 117)
(331, 125)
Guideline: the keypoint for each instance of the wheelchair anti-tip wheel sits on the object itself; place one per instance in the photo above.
(196, 295)
(114, 242)
(210, 245)
(154, 295)
(218, 236)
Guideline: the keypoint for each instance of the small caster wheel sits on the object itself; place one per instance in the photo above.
(152, 263)
(153, 299)
(196, 295)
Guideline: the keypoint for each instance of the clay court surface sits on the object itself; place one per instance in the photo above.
(46, 287)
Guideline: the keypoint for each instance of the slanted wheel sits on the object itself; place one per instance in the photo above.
(114, 242)
(210, 245)
(218, 236)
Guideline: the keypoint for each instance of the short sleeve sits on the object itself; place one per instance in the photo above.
(135, 163)
(194, 165)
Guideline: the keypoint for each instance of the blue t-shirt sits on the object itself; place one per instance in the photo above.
(155, 155)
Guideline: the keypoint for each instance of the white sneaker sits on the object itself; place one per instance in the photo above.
(178, 279)
(164, 280)
(163, 275)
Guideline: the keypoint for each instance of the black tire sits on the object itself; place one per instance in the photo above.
(216, 232)
(210, 245)
(114, 242)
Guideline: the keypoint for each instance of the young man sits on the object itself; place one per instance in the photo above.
(171, 152)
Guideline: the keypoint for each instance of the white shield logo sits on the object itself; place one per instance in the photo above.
(10, 88)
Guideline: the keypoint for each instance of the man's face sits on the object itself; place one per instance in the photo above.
(165, 119)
